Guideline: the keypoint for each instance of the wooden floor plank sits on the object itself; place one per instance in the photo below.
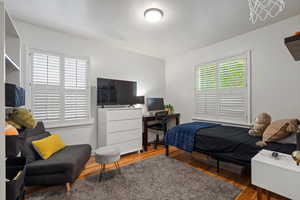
(195, 160)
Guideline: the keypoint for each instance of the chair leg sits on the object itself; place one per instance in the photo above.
(68, 187)
(101, 172)
(156, 141)
(117, 166)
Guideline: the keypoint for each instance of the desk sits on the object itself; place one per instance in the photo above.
(147, 119)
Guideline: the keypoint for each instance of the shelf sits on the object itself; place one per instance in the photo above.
(293, 44)
(10, 28)
(10, 64)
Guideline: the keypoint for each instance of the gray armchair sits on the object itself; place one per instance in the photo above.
(61, 168)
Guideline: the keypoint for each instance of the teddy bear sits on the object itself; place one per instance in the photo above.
(262, 121)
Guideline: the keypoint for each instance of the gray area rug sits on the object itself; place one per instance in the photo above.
(157, 178)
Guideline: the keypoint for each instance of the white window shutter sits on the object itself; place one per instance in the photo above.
(233, 105)
(60, 88)
(75, 73)
(206, 91)
(233, 92)
(76, 106)
(222, 92)
(46, 69)
(46, 96)
(47, 106)
(76, 89)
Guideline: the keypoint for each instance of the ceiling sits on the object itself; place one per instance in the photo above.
(187, 24)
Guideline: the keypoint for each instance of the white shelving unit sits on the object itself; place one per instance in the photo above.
(10, 72)
(2, 103)
(12, 52)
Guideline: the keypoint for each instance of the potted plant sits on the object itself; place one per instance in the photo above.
(169, 108)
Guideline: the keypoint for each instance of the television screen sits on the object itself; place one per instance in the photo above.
(116, 92)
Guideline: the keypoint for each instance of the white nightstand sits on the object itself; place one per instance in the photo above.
(281, 176)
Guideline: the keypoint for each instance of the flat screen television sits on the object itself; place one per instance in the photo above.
(116, 92)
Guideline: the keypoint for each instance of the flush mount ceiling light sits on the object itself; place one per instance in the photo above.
(153, 15)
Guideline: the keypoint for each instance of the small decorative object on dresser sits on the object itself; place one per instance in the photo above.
(279, 175)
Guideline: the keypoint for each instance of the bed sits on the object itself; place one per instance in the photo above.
(232, 144)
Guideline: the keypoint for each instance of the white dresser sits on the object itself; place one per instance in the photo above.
(280, 176)
(121, 128)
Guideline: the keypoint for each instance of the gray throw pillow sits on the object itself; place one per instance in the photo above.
(291, 139)
(38, 129)
(28, 151)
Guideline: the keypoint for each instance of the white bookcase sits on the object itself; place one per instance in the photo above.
(2, 99)
(12, 52)
(120, 128)
(10, 72)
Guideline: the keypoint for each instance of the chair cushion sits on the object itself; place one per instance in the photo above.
(69, 160)
(46, 147)
(158, 127)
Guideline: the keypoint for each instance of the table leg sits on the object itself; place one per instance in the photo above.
(259, 193)
(177, 120)
(145, 136)
(167, 150)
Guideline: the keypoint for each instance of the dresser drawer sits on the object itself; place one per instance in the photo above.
(120, 137)
(123, 114)
(124, 125)
(130, 146)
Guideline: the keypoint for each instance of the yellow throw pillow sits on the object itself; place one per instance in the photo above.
(46, 147)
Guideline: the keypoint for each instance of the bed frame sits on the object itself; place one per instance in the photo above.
(218, 159)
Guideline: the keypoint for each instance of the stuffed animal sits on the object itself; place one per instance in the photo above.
(262, 121)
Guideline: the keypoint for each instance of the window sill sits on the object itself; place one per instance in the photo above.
(70, 124)
(232, 123)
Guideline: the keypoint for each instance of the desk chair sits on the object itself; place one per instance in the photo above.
(161, 124)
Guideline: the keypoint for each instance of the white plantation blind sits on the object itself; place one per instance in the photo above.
(76, 93)
(46, 106)
(76, 106)
(75, 73)
(46, 69)
(222, 92)
(59, 88)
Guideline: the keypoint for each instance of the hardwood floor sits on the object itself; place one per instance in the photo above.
(198, 161)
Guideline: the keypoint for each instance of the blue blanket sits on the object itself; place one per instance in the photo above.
(183, 136)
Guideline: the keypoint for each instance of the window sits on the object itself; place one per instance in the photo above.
(222, 90)
(59, 88)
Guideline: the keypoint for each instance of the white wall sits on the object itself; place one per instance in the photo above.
(275, 75)
(105, 62)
